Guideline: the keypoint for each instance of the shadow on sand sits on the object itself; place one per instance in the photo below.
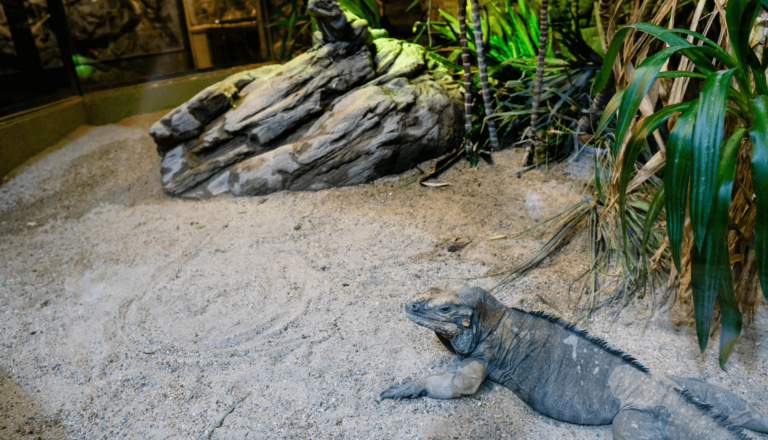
(21, 417)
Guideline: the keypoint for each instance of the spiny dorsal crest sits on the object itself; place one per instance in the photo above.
(592, 339)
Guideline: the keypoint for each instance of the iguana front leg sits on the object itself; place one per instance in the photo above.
(465, 382)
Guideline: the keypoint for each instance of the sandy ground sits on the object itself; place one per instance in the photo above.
(128, 314)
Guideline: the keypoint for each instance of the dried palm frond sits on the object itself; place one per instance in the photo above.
(613, 277)
(574, 217)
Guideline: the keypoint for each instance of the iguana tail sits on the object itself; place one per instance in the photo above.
(739, 411)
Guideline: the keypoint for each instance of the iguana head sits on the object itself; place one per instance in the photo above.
(458, 313)
(324, 9)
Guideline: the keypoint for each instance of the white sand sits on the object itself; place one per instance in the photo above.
(125, 313)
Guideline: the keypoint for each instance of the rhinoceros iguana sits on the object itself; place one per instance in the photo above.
(566, 373)
(335, 24)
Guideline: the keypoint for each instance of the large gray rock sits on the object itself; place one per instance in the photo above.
(334, 116)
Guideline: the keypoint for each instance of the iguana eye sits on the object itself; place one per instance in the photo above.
(445, 308)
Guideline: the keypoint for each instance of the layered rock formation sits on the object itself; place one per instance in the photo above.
(341, 114)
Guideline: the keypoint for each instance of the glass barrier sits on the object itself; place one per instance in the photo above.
(33, 66)
(54, 49)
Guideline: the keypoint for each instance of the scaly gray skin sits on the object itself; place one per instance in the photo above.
(334, 24)
(566, 373)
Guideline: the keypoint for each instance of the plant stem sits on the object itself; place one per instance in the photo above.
(429, 18)
(477, 24)
(538, 82)
(221, 421)
(586, 122)
(467, 75)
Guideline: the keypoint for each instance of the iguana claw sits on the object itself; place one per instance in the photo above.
(409, 389)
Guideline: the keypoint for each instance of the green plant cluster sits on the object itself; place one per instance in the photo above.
(700, 164)
(511, 33)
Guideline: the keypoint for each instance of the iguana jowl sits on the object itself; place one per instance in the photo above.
(566, 373)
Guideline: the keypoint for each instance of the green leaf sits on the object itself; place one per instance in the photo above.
(740, 16)
(730, 317)
(712, 50)
(681, 74)
(707, 138)
(650, 218)
(444, 61)
(701, 37)
(609, 111)
(707, 53)
(634, 145)
(759, 73)
(639, 84)
(277, 9)
(677, 172)
(695, 53)
(598, 185)
(759, 136)
(710, 260)
(284, 22)
(418, 35)
(610, 56)
(525, 44)
(368, 10)
(498, 15)
(450, 19)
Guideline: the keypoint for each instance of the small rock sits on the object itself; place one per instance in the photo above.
(534, 205)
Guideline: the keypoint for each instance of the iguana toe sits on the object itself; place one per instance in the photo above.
(406, 390)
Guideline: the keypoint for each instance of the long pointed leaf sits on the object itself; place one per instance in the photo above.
(710, 260)
(707, 138)
(730, 317)
(759, 74)
(634, 146)
(609, 111)
(526, 46)
(699, 58)
(677, 172)
(697, 35)
(759, 136)
(278, 9)
(641, 81)
(610, 56)
(650, 218)
(740, 15)
(680, 74)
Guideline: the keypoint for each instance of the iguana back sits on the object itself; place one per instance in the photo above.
(558, 370)
(572, 376)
